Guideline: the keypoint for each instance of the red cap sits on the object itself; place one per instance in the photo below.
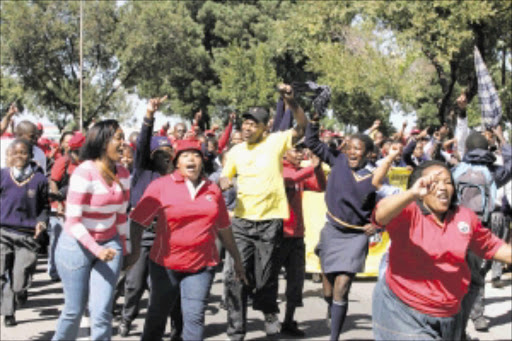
(415, 131)
(45, 144)
(184, 145)
(76, 141)
(326, 133)
(39, 126)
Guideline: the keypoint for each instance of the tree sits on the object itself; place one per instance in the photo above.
(445, 32)
(343, 49)
(247, 77)
(162, 47)
(40, 48)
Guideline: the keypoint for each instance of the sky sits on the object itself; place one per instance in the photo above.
(397, 117)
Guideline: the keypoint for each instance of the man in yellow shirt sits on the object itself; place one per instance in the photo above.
(260, 209)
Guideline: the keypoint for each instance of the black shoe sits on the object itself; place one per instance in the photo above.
(175, 335)
(291, 328)
(498, 283)
(10, 321)
(124, 328)
(481, 324)
(223, 305)
(21, 298)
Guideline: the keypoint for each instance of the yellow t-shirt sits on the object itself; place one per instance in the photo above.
(259, 169)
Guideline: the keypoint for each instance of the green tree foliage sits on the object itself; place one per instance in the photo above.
(376, 56)
(348, 53)
(445, 32)
(247, 77)
(162, 46)
(40, 48)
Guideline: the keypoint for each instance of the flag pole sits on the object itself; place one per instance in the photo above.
(81, 65)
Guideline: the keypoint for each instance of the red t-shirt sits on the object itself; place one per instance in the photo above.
(58, 171)
(427, 263)
(186, 227)
(59, 168)
(296, 180)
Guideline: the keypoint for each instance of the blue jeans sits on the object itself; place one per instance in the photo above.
(394, 320)
(86, 277)
(166, 286)
(54, 231)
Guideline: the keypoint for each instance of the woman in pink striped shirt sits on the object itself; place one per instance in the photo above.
(89, 253)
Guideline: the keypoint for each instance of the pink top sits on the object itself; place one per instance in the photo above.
(95, 211)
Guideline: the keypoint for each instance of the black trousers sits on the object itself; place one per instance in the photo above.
(292, 257)
(258, 243)
(18, 259)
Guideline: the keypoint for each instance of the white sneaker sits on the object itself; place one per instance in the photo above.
(272, 325)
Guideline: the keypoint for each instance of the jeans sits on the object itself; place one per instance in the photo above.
(18, 256)
(394, 320)
(54, 231)
(166, 286)
(86, 278)
(259, 245)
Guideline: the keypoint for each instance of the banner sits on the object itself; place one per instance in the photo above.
(314, 210)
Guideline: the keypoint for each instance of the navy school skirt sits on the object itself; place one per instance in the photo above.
(342, 250)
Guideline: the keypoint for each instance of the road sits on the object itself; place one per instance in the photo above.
(38, 317)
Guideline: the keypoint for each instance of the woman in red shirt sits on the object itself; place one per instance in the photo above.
(190, 213)
(427, 276)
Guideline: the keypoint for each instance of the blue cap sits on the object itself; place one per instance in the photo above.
(159, 141)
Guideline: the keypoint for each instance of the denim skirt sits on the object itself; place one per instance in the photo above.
(395, 320)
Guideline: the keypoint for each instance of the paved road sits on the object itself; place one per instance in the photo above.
(37, 319)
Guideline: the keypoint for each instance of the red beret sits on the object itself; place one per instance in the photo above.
(188, 144)
(76, 141)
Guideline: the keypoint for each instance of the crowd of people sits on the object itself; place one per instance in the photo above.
(162, 209)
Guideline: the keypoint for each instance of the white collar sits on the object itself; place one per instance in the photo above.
(193, 190)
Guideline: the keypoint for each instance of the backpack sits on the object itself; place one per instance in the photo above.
(476, 189)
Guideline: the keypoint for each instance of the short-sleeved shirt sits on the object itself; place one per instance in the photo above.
(427, 262)
(261, 194)
(62, 165)
(188, 219)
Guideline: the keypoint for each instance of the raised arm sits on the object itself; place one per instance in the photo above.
(391, 206)
(142, 154)
(298, 114)
(317, 182)
(224, 139)
(318, 148)
(379, 175)
(4, 124)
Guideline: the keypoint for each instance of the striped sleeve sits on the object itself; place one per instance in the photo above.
(122, 216)
(79, 195)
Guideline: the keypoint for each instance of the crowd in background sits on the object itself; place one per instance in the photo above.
(158, 209)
